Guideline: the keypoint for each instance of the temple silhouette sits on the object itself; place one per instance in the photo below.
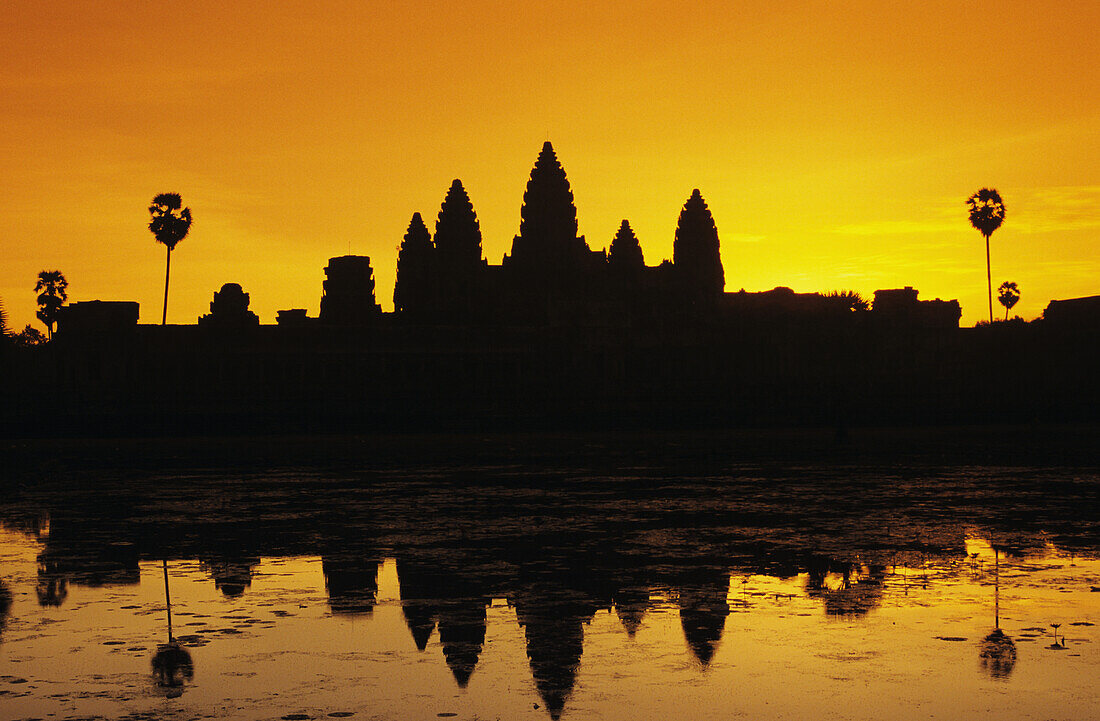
(557, 334)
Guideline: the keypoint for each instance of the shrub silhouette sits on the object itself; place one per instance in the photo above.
(849, 300)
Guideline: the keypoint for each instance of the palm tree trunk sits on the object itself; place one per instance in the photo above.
(168, 265)
(988, 280)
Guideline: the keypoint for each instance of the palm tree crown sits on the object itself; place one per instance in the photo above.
(987, 211)
(53, 283)
(52, 294)
(1008, 295)
(169, 221)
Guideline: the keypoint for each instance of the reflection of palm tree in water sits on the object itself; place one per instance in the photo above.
(997, 652)
(173, 668)
(172, 665)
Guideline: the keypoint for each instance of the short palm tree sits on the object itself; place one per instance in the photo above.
(169, 222)
(1008, 294)
(52, 294)
(987, 212)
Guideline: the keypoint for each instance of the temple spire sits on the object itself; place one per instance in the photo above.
(695, 251)
(412, 290)
(457, 231)
(625, 254)
(547, 240)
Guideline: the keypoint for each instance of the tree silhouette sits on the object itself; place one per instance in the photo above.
(625, 254)
(412, 290)
(849, 300)
(987, 212)
(52, 294)
(695, 250)
(1008, 294)
(29, 337)
(169, 222)
(3, 322)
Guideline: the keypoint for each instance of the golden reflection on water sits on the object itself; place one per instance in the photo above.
(894, 640)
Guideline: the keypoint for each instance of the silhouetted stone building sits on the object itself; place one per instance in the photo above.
(551, 276)
(292, 317)
(348, 297)
(97, 316)
(1082, 313)
(695, 252)
(557, 332)
(901, 307)
(414, 290)
(229, 309)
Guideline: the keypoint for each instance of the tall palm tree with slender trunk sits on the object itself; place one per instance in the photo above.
(987, 212)
(169, 222)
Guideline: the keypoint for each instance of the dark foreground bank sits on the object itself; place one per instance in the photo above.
(29, 460)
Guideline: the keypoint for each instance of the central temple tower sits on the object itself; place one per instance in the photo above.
(548, 246)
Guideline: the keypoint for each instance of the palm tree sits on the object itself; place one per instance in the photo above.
(169, 222)
(987, 212)
(52, 293)
(1008, 294)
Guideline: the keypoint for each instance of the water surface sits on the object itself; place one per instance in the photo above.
(596, 581)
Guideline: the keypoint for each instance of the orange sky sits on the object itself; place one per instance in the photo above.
(834, 142)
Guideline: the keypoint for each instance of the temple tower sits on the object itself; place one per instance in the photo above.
(695, 251)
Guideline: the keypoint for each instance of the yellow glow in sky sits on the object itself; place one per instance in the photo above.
(835, 143)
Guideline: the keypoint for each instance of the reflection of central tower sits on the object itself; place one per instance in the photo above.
(555, 641)
(349, 292)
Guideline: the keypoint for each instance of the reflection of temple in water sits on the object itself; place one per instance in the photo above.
(232, 576)
(435, 597)
(554, 629)
(351, 582)
(556, 556)
(703, 609)
(848, 589)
